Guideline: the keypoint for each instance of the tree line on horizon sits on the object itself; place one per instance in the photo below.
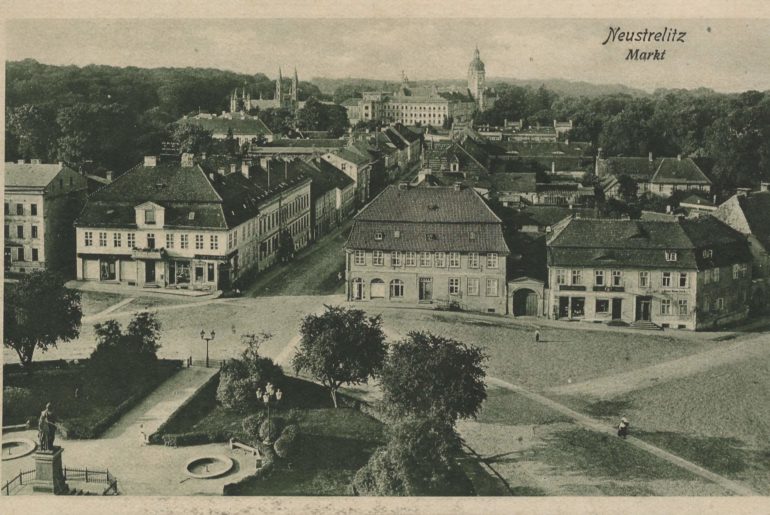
(112, 116)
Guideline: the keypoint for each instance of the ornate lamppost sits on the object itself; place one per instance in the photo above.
(208, 339)
(266, 396)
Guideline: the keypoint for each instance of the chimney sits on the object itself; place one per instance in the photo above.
(715, 200)
(679, 157)
(187, 160)
(458, 186)
(668, 209)
(108, 175)
(20, 161)
(600, 153)
(403, 185)
(245, 168)
(553, 167)
(150, 161)
(233, 167)
(763, 186)
(649, 156)
(221, 170)
(34, 161)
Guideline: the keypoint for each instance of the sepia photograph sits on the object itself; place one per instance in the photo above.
(468, 255)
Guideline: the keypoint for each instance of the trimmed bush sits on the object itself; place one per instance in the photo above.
(270, 429)
(17, 402)
(240, 379)
(286, 445)
(252, 423)
(195, 438)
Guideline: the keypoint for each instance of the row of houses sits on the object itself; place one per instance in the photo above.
(442, 246)
(190, 221)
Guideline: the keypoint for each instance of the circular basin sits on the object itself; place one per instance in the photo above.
(207, 467)
(17, 448)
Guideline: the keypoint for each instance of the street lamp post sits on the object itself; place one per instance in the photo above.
(208, 339)
(265, 397)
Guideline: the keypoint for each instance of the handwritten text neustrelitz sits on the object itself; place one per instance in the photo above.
(667, 35)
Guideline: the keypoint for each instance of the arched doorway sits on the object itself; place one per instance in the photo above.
(358, 289)
(525, 303)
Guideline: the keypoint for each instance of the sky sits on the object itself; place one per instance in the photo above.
(722, 54)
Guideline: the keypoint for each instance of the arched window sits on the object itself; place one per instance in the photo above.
(396, 289)
(377, 290)
(358, 289)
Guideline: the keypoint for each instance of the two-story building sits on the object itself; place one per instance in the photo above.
(187, 224)
(41, 202)
(428, 245)
(679, 273)
(660, 176)
(357, 166)
(332, 195)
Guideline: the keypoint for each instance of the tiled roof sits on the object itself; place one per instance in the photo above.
(427, 237)
(640, 243)
(318, 142)
(352, 156)
(673, 170)
(544, 216)
(428, 205)
(514, 182)
(247, 126)
(638, 168)
(30, 175)
(756, 209)
(325, 176)
(697, 200)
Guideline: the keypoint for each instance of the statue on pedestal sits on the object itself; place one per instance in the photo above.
(46, 426)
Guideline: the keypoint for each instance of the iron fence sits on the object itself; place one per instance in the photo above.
(19, 478)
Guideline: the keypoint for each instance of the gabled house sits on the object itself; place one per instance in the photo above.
(749, 214)
(660, 176)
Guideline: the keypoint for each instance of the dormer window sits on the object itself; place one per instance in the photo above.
(671, 255)
(149, 217)
(396, 234)
(378, 236)
(430, 236)
(473, 236)
(708, 253)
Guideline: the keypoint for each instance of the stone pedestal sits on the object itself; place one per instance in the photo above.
(49, 474)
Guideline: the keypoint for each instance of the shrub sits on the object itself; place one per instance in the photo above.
(270, 429)
(286, 445)
(195, 438)
(380, 476)
(252, 423)
(240, 378)
(17, 403)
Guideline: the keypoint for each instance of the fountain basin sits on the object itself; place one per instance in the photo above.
(208, 467)
(17, 448)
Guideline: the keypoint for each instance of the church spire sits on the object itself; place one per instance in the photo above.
(279, 88)
(294, 86)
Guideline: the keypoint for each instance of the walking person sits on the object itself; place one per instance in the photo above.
(537, 336)
(623, 428)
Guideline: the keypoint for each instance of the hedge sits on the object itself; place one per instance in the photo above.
(195, 438)
(268, 464)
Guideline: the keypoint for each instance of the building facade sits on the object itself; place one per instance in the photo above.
(660, 176)
(679, 273)
(428, 246)
(41, 203)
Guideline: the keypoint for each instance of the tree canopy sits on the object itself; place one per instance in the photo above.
(340, 346)
(38, 313)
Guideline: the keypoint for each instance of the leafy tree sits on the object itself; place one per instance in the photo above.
(191, 137)
(344, 92)
(430, 375)
(39, 312)
(285, 251)
(35, 130)
(278, 120)
(240, 378)
(340, 346)
(627, 187)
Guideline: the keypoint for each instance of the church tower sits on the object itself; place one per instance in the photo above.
(279, 89)
(295, 89)
(476, 75)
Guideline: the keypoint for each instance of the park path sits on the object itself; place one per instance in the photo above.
(601, 427)
(618, 384)
(157, 407)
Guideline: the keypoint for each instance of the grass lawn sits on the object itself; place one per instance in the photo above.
(93, 404)
(563, 354)
(94, 302)
(149, 303)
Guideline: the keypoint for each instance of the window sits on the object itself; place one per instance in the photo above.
(577, 277)
(149, 216)
(198, 242)
(19, 231)
(599, 277)
(671, 255)
(454, 260)
(359, 257)
(88, 238)
(131, 240)
(396, 289)
(410, 259)
(213, 242)
(739, 270)
(440, 259)
(19, 209)
(707, 276)
(561, 276)
(602, 306)
(150, 240)
(20, 254)
(491, 290)
(396, 234)
(707, 253)
(492, 260)
(644, 279)
(34, 231)
(454, 286)
(211, 268)
(617, 278)
(666, 279)
(425, 259)
(6, 208)
(34, 254)
(683, 279)
(473, 260)
(6, 231)
(682, 306)
(665, 307)
(378, 258)
(33, 209)
(720, 304)
(103, 239)
(473, 286)
(395, 258)
(706, 305)
(378, 236)
(715, 275)
(117, 239)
